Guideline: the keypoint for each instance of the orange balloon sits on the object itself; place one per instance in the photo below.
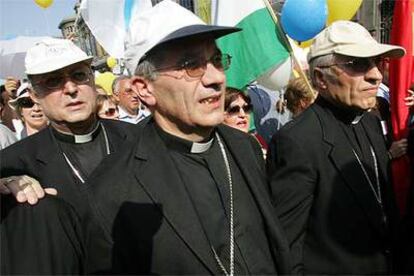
(44, 3)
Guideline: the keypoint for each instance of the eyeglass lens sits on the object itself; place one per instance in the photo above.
(79, 76)
(361, 65)
(197, 67)
(236, 109)
(110, 111)
(26, 102)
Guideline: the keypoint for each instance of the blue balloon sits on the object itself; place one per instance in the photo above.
(304, 19)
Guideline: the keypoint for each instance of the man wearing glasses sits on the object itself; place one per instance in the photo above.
(190, 196)
(329, 168)
(59, 158)
(130, 107)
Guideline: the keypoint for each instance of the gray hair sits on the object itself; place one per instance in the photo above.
(317, 63)
(146, 69)
(115, 83)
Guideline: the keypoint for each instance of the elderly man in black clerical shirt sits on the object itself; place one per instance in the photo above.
(329, 168)
(190, 197)
(60, 157)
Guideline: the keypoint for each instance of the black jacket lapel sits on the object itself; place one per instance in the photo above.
(242, 152)
(342, 156)
(157, 175)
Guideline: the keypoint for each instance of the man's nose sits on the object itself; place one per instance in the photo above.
(213, 75)
(373, 75)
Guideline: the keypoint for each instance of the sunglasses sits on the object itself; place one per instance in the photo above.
(358, 65)
(197, 67)
(110, 111)
(53, 82)
(25, 102)
(247, 108)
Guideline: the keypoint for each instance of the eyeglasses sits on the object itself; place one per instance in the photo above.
(78, 76)
(358, 65)
(247, 108)
(196, 67)
(109, 112)
(25, 102)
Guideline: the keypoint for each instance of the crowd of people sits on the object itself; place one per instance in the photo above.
(168, 176)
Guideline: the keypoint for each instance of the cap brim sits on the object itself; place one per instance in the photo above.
(371, 50)
(13, 103)
(193, 31)
(196, 30)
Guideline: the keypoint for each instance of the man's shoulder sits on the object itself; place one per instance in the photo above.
(29, 144)
(307, 122)
(117, 125)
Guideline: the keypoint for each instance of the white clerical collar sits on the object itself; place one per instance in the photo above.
(201, 147)
(78, 139)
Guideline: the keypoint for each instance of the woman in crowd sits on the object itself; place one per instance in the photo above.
(107, 107)
(237, 110)
(29, 112)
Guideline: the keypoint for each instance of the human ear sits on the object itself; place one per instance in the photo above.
(320, 79)
(143, 88)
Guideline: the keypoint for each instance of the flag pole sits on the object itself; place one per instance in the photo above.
(287, 43)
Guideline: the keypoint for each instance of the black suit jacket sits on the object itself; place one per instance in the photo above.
(40, 157)
(148, 221)
(333, 221)
(45, 239)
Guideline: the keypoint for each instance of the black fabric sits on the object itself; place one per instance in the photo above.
(172, 240)
(330, 214)
(44, 239)
(85, 157)
(40, 157)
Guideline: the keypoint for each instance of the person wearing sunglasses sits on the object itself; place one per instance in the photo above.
(57, 160)
(191, 196)
(29, 112)
(107, 107)
(237, 110)
(328, 168)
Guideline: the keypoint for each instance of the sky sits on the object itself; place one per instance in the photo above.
(26, 18)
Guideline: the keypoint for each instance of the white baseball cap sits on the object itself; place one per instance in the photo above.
(350, 39)
(52, 54)
(22, 92)
(164, 22)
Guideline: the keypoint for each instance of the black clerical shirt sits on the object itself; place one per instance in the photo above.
(205, 177)
(83, 157)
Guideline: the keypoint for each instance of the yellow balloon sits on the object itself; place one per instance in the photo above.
(44, 3)
(105, 80)
(342, 9)
(111, 62)
(305, 44)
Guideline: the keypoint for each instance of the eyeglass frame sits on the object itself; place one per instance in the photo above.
(374, 61)
(21, 101)
(42, 86)
(247, 109)
(202, 65)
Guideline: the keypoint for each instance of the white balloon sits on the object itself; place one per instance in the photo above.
(277, 77)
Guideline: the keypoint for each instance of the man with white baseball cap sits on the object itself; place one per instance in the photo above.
(60, 157)
(193, 197)
(329, 168)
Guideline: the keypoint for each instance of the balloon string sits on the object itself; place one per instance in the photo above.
(288, 45)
